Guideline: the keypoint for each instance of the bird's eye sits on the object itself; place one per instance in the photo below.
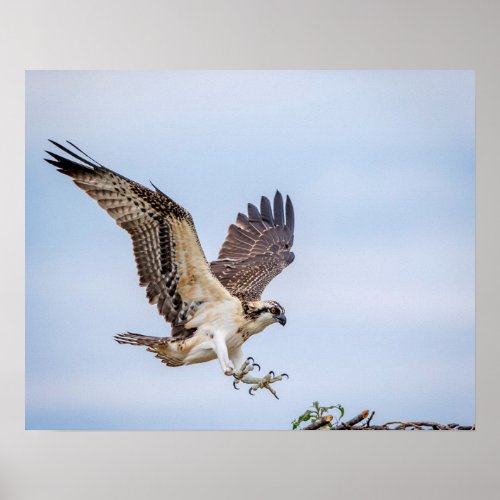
(274, 310)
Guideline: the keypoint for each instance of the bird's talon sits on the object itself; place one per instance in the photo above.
(264, 382)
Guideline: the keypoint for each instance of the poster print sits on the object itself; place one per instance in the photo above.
(345, 280)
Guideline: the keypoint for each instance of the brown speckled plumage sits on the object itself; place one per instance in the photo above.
(256, 249)
(213, 308)
(158, 227)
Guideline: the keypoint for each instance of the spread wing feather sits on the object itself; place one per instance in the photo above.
(170, 261)
(256, 248)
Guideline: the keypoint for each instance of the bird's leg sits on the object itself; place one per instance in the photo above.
(220, 348)
(243, 375)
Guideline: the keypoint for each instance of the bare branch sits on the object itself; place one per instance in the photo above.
(351, 423)
(370, 419)
(356, 424)
(321, 422)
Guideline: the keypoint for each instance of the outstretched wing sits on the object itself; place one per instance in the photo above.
(168, 254)
(256, 248)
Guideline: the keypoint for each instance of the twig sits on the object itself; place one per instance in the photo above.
(351, 423)
(321, 422)
(369, 419)
(393, 425)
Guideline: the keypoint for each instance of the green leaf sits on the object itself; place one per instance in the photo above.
(315, 412)
(302, 418)
(341, 408)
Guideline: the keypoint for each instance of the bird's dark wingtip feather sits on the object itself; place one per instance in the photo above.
(241, 220)
(55, 143)
(290, 216)
(81, 159)
(85, 154)
(253, 212)
(278, 209)
(266, 211)
(56, 156)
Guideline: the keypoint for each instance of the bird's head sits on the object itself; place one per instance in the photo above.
(265, 312)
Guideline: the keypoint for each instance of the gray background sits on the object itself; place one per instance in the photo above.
(257, 34)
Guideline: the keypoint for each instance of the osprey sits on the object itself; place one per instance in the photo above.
(213, 307)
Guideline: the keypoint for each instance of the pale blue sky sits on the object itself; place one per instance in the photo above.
(379, 300)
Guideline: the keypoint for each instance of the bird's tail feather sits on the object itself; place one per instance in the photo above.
(138, 339)
(164, 347)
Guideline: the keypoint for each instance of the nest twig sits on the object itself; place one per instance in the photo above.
(362, 422)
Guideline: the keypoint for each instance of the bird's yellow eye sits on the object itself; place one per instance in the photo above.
(274, 310)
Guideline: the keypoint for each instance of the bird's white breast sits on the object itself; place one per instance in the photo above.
(221, 316)
(224, 319)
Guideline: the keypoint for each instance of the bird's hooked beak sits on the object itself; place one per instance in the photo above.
(281, 319)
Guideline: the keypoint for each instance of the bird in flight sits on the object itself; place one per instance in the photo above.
(213, 308)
